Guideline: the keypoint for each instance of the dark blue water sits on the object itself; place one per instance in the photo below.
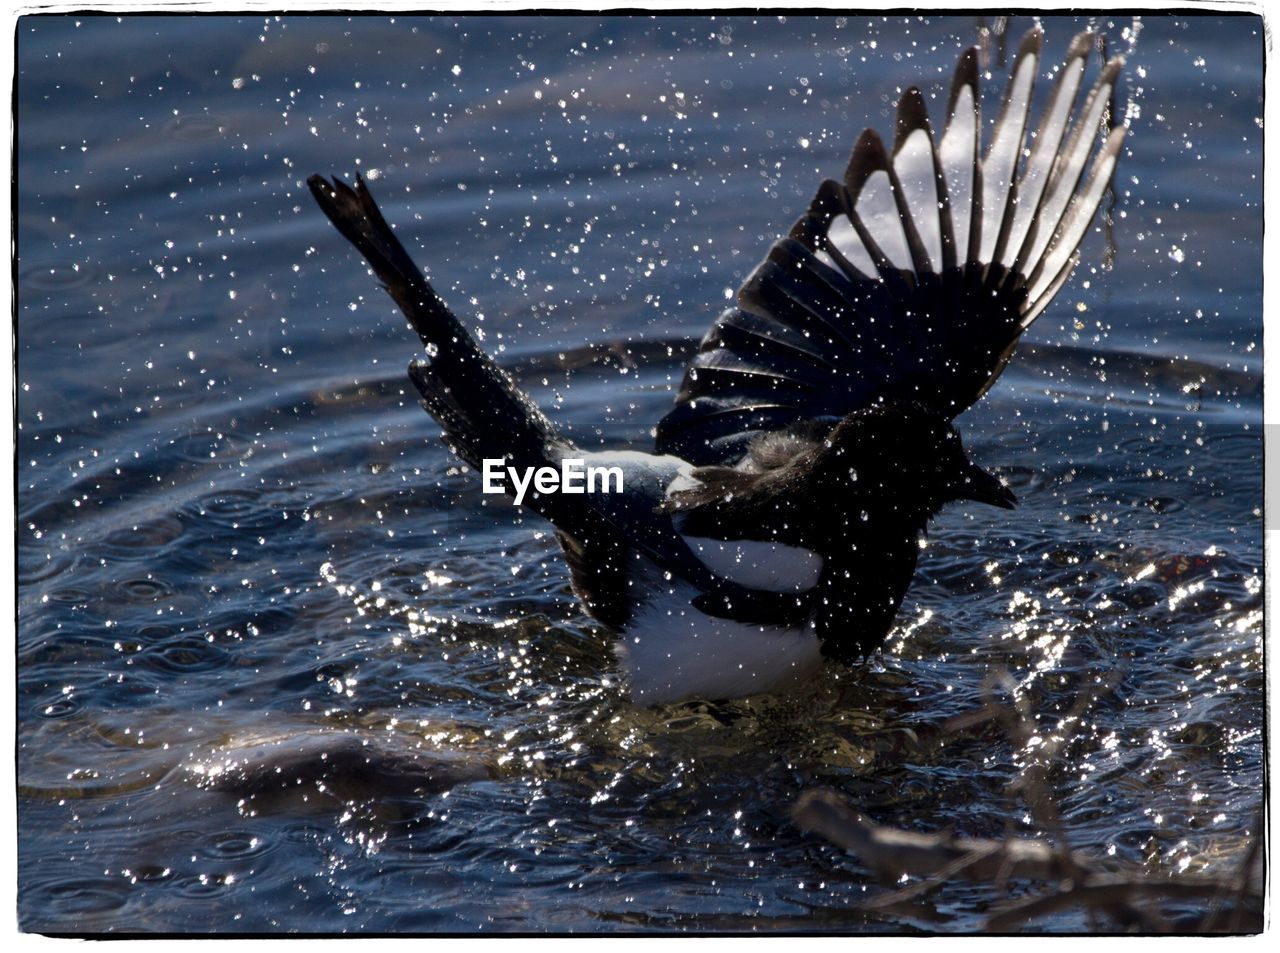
(242, 548)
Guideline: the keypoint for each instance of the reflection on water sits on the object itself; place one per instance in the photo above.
(280, 667)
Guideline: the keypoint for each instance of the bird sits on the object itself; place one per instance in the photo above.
(775, 525)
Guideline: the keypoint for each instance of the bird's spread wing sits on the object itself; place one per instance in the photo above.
(913, 277)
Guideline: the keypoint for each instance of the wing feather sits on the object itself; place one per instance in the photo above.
(1048, 139)
(999, 168)
(958, 154)
(915, 162)
(912, 277)
(1069, 165)
(873, 207)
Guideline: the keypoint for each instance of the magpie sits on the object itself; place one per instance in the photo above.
(777, 521)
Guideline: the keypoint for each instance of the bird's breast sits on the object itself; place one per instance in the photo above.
(671, 651)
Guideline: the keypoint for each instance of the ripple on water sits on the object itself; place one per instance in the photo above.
(151, 873)
(142, 589)
(1161, 504)
(204, 886)
(78, 897)
(68, 596)
(140, 541)
(56, 275)
(303, 831)
(211, 445)
(228, 845)
(1023, 439)
(57, 706)
(197, 127)
(37, 563)
(1241, 449)
(189, 654)
(240, 509)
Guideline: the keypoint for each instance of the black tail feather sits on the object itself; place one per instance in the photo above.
(484, 414)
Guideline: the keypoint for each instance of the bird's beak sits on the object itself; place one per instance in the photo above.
(982, 487)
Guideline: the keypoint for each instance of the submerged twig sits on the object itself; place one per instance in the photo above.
(1072, 879)
(895, 852)
(1078, 882)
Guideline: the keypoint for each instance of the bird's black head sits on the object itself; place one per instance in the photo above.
(910, 457)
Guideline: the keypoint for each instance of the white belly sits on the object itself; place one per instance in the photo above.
(671, 651)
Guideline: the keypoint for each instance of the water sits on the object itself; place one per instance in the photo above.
(242, 548)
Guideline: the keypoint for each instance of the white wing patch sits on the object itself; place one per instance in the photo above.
(755, 564)
(916, 173)
(775, 567)
(1021, 205)
(879, 213)
(841, 234)
(959, 160)
(826, 259)
(1002, 158)
(1048, 140)
(1065, 176)
(1078, 217)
